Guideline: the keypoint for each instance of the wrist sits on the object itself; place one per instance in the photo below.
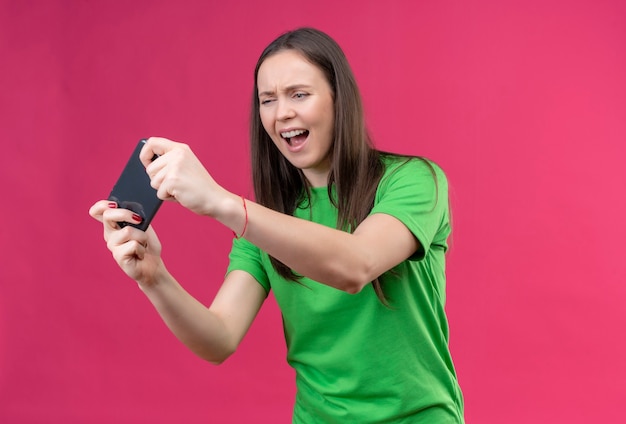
(233, 213)
(245, 222)
(153, 280)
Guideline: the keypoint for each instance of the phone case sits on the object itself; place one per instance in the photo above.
(133, 191)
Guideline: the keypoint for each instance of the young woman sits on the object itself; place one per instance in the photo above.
(351, 240)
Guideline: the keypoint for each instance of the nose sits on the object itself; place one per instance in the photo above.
(284, 110)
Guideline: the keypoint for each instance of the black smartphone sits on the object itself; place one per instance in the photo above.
(133, 191)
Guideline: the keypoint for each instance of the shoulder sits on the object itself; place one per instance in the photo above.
(411, 170)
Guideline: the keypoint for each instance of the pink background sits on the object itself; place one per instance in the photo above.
(522, 102)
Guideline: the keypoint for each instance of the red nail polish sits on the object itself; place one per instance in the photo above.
(136, 218)
(112, 205)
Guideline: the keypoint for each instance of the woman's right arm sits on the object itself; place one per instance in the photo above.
(212, 333)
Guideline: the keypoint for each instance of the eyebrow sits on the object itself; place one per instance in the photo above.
(288, 88)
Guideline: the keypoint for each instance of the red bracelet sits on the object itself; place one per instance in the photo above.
(245, 225)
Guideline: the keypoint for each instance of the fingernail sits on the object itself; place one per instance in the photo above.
(136, 218)
(112, 205)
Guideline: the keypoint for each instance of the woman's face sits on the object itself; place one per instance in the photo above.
(296, 108)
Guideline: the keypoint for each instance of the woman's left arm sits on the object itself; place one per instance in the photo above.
(342, 260)
(339, 259)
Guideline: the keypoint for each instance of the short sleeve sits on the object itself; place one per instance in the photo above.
(415, 191)
(247, 257)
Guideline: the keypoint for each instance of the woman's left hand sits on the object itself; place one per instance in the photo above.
(177, 174)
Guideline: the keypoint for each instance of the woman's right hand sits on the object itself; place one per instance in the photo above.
(138, 253)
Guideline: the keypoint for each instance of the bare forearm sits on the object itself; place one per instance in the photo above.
(191, 322)
(321, 253)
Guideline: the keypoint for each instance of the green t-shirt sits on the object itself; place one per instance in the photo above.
(357, 360)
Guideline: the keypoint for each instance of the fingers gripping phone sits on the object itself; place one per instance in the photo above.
(133, 191)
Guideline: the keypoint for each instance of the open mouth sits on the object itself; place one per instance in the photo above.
(295, 137)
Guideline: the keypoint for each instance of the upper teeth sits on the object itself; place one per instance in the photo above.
(293, 133)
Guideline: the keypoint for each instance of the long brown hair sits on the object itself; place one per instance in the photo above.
(356, 167)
